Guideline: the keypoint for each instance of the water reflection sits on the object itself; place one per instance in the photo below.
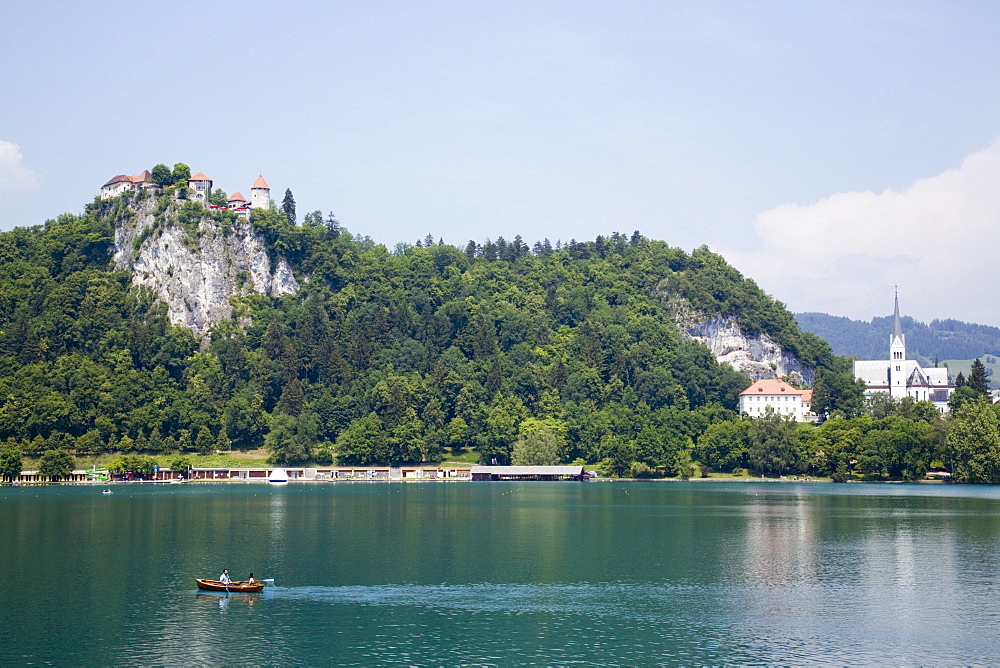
(633, 574)
(223, 598)
(780, 545)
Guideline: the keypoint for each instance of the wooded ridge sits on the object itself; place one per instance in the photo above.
(494, 351)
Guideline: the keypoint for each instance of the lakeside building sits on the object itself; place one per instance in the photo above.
(495, 473)
(780, 397)
(261, 474)
(900, 377)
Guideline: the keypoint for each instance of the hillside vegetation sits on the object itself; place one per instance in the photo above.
(543, 354)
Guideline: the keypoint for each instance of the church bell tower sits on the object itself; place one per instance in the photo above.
(897, 356)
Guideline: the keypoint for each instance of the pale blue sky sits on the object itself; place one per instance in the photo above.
(719, 123)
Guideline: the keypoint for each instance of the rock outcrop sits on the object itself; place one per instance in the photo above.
(197, 272)
(757, 356)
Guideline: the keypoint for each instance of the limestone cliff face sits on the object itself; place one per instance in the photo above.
(757, 356)
(196, 271)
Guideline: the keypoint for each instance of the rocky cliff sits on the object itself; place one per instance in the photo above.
(197, 267)
(757, 356)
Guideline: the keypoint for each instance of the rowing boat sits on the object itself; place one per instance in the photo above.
(215, 585)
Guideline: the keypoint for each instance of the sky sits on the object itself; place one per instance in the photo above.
(831, 151)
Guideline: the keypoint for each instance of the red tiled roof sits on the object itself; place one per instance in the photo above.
(807, 395)
(117, 179)
(771, 386)
(200, 176)
(237, 197)
(260, 183)
(145, 177)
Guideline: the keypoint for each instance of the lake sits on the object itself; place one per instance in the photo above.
(591, 573)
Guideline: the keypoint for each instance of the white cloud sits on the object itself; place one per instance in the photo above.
(14, 175)
(938, 240)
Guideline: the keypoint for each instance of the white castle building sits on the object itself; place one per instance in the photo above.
(901, 377)
(200, 185)
(123, 183)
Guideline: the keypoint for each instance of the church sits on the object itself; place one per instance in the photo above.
(901, 377)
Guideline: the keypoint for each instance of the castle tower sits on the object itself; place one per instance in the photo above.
(201, 185)
(260, 194)
(897, 356)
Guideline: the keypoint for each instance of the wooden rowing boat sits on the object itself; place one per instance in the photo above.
(215, 585)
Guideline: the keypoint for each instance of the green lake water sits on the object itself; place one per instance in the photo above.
(502, 574)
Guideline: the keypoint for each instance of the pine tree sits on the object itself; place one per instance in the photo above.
(959, 380)
(332, 225)
(977, 378)
(288, 206)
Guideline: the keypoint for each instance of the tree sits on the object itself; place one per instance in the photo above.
(161, 175)
(723, 446)
(181, 175)
(838, 394)
(332, 225)
(288, 206)
(56, 464)
(204, 441)
(180, 465)
(773, 443)
(974, 444)
(978, 380)
(218, 197)
(140, 466)
(541, 442)
(11, 463)
(243, 420)
(962, 395)
(291, 438)
(363, 442)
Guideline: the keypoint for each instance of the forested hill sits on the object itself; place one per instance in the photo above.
(378, 356)
(941, 339)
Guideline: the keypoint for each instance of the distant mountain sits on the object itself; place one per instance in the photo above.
(941, 339)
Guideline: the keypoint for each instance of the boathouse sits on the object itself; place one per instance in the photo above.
(493, 473)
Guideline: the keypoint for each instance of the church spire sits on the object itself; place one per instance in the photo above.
(897, 324)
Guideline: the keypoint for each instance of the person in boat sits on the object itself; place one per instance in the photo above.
(224, 578)
(250, 580)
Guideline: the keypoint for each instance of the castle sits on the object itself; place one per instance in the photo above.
(200, 185)
(901, 377)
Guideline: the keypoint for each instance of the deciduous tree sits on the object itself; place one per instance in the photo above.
(56, 464)
(10, 463)
(974, 444)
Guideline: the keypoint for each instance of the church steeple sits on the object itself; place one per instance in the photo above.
(897, 324)
(897, 356)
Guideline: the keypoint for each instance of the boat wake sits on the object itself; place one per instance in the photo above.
(636, 601)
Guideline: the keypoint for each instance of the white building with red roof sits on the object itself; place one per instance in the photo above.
(260, 194)
(122, 183)
(780, 397)
(201, 185)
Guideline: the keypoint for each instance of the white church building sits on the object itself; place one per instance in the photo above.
(900, 377)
